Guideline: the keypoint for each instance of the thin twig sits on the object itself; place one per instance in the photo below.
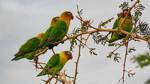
(38, 63)
(83, 43)
(87, 38)
(102, 30)
(94, 31)
(124, 63)
(41, 52)
(56, 81)
(117, 48)
(77, 63)
(48, 81)
(53, 51)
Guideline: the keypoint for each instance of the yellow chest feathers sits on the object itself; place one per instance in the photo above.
(126, 21)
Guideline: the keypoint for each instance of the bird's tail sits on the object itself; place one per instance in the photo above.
(114, 38)
(29, 56)
(111, 40)
(19, 53)
(16, 58)
(43, 72)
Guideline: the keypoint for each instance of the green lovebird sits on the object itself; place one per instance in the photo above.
(126, 26)
(28, 49)
(57, 31)
(56, 63)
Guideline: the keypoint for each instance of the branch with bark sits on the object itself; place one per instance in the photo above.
(82, 34)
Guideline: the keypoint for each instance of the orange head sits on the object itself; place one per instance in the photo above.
(67, 15)
(40, 35)
(68, 54)
(126, 12)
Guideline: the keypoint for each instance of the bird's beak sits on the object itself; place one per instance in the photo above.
(126, 12)
(71, 56)
(72, 17)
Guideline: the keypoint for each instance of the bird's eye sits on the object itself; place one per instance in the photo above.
(69, 13)
(68, 53)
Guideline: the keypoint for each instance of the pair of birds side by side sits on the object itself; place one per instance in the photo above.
(56, 32)
(127, 25)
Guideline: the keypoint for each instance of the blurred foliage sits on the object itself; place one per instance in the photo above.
(142, 60)
(73, 41)
(99, 37)
(124, 5)
(136, 16)
(116, 56)
(138, 12)
(103, 24)
(144, 28)
(147, 82)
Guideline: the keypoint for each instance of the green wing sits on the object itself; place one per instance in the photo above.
(29, 56)
(127, 26)
(55, 34)
(47, 33)
(30, 46)
(116, 24)
(54, 60)
(52, 63)
(114, 35)
(58, 32)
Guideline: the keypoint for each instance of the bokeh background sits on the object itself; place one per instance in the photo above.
(23, 19)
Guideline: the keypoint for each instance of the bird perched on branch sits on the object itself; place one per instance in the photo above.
(29, 49)
(57, 31)
(124, 21)
(56, 63)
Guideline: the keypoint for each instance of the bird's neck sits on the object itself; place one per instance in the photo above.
(63, 58)
(40, 36)
(66, 20)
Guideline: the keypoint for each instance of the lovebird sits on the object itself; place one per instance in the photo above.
(29, 48)
(126, 26)
(57, 30)
(56, 63)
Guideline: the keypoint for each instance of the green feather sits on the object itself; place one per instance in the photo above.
(55, 64)
(127, 26)
(51, 66)
(54, 34)
(27, 49)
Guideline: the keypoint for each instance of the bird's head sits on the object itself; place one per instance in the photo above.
(40, 35)
(67, 15)
(126, 12)
(68, 54)
(54, 20)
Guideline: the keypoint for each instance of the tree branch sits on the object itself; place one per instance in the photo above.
(77, 62)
